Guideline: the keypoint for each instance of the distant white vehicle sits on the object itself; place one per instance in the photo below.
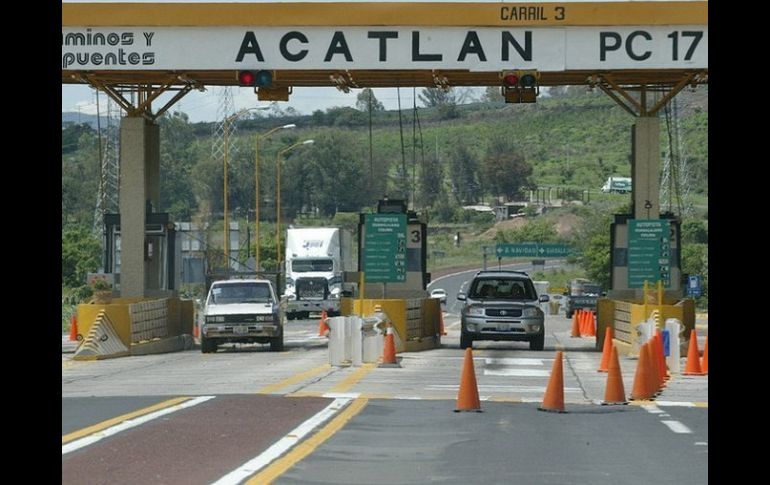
(439, 293)
(617, 185)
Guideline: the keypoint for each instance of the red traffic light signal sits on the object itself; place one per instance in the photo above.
(255, 78)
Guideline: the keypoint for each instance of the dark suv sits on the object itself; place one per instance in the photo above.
(502, 305)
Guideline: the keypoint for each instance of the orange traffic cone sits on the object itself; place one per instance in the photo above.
(441, 322)
(583, 324)
(468, 394)
(641, 389)
(389, 352)
(660, 359)
(323, 327)
(73, 328)
(614, 392)
(591, 324)
(575, 326)
(704, 365)
(606, 351)
(553, 401)
(652, 361)
(692, 367)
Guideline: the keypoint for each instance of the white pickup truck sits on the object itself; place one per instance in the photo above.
(245, 311)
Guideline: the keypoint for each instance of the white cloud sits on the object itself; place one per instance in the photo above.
(203, 106)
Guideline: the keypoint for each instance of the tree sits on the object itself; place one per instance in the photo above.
(445, 101)
(462, 173)
(432, 182)
(536, 230)
(81, 254)
(366, 101)
(338, 178)
(492, 94)
(504, 169)
(178, 155)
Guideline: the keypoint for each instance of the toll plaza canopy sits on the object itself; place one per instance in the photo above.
(383, 43)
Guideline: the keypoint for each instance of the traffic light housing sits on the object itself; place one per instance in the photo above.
(520, 86)
(257, 79)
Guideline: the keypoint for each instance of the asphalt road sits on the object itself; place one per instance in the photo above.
(392, 425)
(455, 282)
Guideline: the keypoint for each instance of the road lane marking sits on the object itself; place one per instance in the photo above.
(517, 372)
(263, 463)
(307, 447)
(297, 378)
(352, 379)
(512, 361)
(677, 427)
(131, 423)
(117, 420)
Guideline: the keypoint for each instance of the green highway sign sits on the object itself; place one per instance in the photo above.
(384, 248)
(649, 252)
(531, 249)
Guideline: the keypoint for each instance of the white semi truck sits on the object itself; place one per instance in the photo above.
(316, 258)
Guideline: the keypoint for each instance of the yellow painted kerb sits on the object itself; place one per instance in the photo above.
(294, 379)
(384, 14)
(114, 421)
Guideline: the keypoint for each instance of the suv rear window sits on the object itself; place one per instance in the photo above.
(502, 289)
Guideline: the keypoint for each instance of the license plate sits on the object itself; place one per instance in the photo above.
(503, 327)
(241, 330)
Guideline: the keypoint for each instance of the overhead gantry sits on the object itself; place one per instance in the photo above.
(640, 53)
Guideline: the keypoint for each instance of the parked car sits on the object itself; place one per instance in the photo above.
(502, 305)
(439, 293)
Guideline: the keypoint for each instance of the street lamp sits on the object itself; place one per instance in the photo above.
(278, 196)
(256, 182)
(226, 124)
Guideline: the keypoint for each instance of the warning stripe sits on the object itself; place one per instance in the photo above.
(385, 14)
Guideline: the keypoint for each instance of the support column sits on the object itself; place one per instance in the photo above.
(139, 183)
(645, 167)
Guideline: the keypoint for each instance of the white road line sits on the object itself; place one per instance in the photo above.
(284, 444)
(676, 403)
(131, 423)
(517, 372)
(652, 408)
(677, 427)
(512, 361)
(455, 387)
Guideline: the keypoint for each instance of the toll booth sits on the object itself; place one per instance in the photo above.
(162, 256)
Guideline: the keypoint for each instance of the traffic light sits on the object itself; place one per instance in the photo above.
(520, 86)
(257, 79)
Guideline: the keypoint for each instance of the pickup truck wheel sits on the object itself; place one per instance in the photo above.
(276, 344)
(208, 346)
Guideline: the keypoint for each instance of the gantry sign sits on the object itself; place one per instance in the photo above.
(376, 44)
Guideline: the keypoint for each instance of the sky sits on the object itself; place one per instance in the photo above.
(202, 106)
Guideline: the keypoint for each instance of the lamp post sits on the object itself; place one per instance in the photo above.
(228, 121)
(278, 197)
(256, 184)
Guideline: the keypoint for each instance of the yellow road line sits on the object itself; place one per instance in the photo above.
(113, 421)
(293, 379)
(352, 379)
(280, 466)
